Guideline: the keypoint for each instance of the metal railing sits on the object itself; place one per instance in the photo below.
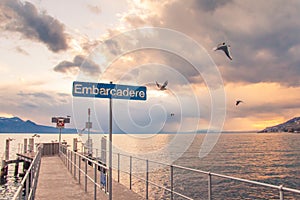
(171, 168)
(77, 164)
(28, 185)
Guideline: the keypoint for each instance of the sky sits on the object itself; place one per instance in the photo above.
(46, 45)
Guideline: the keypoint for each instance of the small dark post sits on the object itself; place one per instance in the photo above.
(7, 150)
(17, 168)
(31, 145)
(75, 144)
(3, 173)
(25, 145)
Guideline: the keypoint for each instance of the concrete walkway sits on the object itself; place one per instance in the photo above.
(56, 182)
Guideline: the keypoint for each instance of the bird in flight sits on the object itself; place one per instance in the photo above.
(162, 87)
(172, 114)
(224, 47)
(36, 135)
(238, 102)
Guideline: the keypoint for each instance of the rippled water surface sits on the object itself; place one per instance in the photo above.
(270, 158)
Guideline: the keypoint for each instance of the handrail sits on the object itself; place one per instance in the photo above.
(29, 181)
(281, 189)
(73, 161)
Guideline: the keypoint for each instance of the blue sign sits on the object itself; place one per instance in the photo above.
(104, 90)
(103, 179)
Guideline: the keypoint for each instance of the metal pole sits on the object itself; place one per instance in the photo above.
(74, 165)
(79, 168)
(89, 138)
(27, 188)
(71, 166)
(85, 176)
(130, 172)
(95, 181)
(59, 139)
(110, 147)
(281, 196)
(118, 167)
(171, 180)
(68, 159)
(209, 187)
(147, 178)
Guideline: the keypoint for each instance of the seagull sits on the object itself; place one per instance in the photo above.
(10, 139)
(224, 47)
(36, 135)
(172, 114)
(238, 102)
(162, 87)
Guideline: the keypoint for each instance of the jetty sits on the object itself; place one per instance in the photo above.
(54, 171)
(60, 173)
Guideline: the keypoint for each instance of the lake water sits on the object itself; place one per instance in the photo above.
(272, 158)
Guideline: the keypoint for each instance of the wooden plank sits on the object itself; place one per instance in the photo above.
(26, 156)
(56, 182)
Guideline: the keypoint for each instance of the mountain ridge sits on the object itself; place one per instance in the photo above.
(17, 125)
(292, 125)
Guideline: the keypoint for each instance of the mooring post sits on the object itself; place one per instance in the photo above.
(7, 149)
(25, 145)
(31, 145)
(3, 173)
(75, 144)
(17, 168)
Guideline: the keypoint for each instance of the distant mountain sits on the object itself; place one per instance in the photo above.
(17, 125)
(292, 125)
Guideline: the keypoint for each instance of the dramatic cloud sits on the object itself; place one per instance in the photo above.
(210, 5)
(35, 95)
(263, 35)
(25, 19)
(79, 63)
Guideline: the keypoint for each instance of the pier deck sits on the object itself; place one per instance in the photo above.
(56, 182)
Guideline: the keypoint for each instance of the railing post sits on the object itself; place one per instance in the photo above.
(75, 165)
(71, 162)
(79, 168)
(95, 181)
(130, 172)
(85, 174)
(27, 188)
(118, 167)
(171, 180)
(31, 178)
(68, 159)
(281, 196)
(209, 187)
(147, 179)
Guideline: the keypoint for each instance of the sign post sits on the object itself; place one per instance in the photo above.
(110, 147)
(60, 123)
(88, 125)
(111, 91)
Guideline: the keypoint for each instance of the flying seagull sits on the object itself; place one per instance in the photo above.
(36, 135)
(162, 87)
(224, 47)
(238, 102)
(172, 114)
